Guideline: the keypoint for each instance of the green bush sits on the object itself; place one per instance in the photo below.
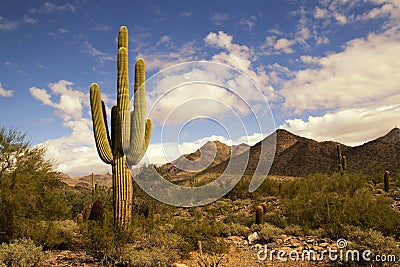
(31, 190)
(269, 232)
(331, 202)
(206, 231)
(361, 240)
(235, 229)
(148, 257)
(55, 234)
(21, 253)
(240, 217)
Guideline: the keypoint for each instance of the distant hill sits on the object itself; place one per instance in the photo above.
(377, 155)
(209, 155)
(85, 182)
(300, 156)
(294, 156)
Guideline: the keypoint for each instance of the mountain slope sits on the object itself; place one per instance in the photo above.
(209, 155)
(300, 156)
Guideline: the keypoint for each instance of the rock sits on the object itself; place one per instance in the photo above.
(272, 245)
(235, 239)
(294, 242)
(324, 245)
(317, 248)
(310, 240)
(258, 247)
(253, 237)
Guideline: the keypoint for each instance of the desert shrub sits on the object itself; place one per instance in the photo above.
(295, 230)
(276, 219)
(330, 202)
(361, 240)
(148, 257)
(21, 253)
(235, 229)
(31, 190)
(100, 241)
(55, 234)
(270, 187)
(269, 232)
(206, 231)
(240, 217)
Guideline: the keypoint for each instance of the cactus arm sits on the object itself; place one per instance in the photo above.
(101, 136)
(140, 131)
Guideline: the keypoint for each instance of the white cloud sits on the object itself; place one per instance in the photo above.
(50, 8)
(240, 57)
(29, 20)
(353, 126)
(99, 55)
(74, 154)
(71, 101)
(248, 23)
(284, 45)
(6, 25)
(187, 14)
(320, 13)
(219, 18)
(102, 27)
(5, 92)
(364, 72)
(165, 39)
(158, 60)
(62, 30)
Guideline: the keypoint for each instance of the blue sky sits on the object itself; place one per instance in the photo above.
(328, 69)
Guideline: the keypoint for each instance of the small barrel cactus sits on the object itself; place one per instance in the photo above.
(97, 212)
(259, 215)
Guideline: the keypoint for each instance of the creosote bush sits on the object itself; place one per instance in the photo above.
(21, 253)
(331, 202)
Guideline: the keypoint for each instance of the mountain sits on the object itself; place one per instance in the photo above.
(294, 156)
(209, 155)
(300, 156)
(85, 182)
(376, 156)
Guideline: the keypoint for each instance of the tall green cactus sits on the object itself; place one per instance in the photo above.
(130, 131)
(342, 160)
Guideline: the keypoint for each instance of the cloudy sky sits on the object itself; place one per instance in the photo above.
(329, 70)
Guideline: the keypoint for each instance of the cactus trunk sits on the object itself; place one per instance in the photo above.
(130, 131)
(342, 161)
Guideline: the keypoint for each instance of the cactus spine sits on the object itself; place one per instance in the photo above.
(128, 129)
(342, 161)
(386, 181)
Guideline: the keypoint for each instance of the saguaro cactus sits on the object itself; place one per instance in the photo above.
(130, 132)
(342, 161)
